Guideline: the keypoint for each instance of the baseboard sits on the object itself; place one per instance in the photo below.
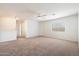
(57, 38)
(7, 42)
(46, 37)
(21, 37)
(32, 37)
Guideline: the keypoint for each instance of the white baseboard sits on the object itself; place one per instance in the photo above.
(57, 38)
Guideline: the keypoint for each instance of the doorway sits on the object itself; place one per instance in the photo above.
(20, 28)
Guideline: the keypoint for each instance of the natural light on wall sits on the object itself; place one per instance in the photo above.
(7, 29)
(7, 23)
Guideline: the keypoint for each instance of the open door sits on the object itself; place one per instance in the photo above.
(20, 29)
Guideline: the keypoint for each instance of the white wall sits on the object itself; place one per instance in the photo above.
(7, 36)
(31, 28)
(34, 28)
(7, 29)
(78, 27)
(71, 28)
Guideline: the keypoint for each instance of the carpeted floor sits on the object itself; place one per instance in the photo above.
(40, 46)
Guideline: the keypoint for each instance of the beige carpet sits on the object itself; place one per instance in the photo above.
(39, 46)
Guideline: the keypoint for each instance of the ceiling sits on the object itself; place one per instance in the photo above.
(38, 11)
